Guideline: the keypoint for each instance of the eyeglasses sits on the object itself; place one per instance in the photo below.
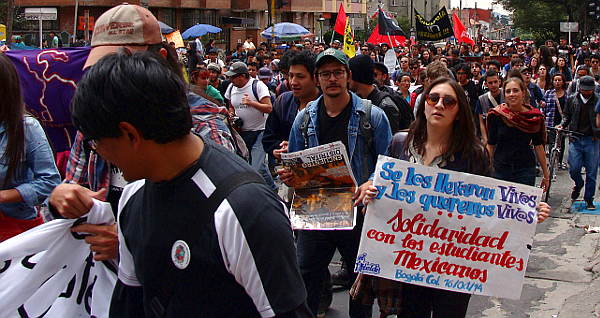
(594, 62)
(526, 73)
(89, 145)
(327, 74)
(403, 62)
(414, 67)
(433, 99)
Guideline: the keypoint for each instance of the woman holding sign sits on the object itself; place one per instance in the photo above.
(443, 136)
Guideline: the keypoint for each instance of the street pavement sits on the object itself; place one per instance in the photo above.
(561, 278)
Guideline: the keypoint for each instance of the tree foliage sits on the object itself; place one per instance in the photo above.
(541, 18)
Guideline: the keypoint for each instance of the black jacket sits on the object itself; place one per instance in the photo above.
(573, 109)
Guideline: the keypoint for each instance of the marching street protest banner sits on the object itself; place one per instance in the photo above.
(49, 271)
(437, 28)
(323, 188)
(448, 230)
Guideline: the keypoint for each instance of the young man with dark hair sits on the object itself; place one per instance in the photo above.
(284, 66)
(492, 98)
(463, 77)
(304, 90)
(188, 223)
(335, 116)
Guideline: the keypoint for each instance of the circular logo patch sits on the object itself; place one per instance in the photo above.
(180, 254)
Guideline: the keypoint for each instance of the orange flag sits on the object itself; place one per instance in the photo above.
(460, 32)
(340, 22)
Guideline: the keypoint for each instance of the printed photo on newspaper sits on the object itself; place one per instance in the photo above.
(448, 230)
(323, 187)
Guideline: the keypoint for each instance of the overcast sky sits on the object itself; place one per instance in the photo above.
(484, 4)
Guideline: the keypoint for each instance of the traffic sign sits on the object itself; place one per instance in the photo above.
(41, 13)
(569, 27)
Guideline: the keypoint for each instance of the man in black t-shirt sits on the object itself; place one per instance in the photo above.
(335, 116)
(189, 243)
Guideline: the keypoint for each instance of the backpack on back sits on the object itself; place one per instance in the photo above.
(406, 113)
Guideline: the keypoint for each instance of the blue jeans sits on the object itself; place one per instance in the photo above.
(253, 140)
(584, 151)
(315, 250)
(515, 173)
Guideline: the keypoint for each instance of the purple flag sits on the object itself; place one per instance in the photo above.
(48, 80)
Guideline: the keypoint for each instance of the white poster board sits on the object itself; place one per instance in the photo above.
(448, 230)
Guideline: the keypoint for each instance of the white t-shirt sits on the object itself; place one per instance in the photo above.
(253, 118)
(218, 62)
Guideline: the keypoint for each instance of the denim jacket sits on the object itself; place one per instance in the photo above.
(38, 175)
(382, 135)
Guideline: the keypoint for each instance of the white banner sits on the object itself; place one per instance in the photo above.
(448, 230)
(49, 271)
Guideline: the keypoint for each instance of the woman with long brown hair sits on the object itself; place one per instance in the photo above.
(443, 136)
(27, 169)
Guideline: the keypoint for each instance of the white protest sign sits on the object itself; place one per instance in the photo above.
(448, 230)
(48, 271)
(390, 60)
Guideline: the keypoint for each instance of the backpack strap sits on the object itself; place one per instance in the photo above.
(366, 130)
(304, 127)
(255, 89)
(159, 304)
(397, 145)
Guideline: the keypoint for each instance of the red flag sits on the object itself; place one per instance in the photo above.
(340, 22)
(376, 38)
(460, 32)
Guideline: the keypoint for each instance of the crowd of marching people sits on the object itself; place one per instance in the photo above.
(198, 132)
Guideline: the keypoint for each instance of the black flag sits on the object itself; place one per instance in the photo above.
(387, 25)
(437, 28)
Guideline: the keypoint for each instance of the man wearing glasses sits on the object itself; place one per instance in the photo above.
(404, 66)
(595, 69)
(336, 116)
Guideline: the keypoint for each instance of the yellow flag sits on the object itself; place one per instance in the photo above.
(349, 47)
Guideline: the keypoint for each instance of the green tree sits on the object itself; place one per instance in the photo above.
(541, 18)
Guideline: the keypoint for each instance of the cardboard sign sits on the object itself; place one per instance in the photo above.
(176, 38)
(448, 230)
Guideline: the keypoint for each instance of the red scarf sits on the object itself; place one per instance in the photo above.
(530, 121)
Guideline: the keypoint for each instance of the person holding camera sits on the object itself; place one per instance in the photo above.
(250, 102)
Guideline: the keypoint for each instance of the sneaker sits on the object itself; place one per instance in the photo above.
(575, 194)
(589, 205)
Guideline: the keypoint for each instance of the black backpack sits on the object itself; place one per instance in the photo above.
(406, 113)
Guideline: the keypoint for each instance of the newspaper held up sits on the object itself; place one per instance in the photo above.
(323, 188)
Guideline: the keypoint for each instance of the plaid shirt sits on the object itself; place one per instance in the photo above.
(550, 109)
(90, 170)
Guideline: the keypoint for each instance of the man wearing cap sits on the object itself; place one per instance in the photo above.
(362, 81)
(215, 80)
(265, 75)
(582, 70)
(336, 44)
(580, 115)
(212, 58)
(250, 100)
(136, 29)
(335, 116)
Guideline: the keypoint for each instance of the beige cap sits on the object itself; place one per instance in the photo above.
(126, 25)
